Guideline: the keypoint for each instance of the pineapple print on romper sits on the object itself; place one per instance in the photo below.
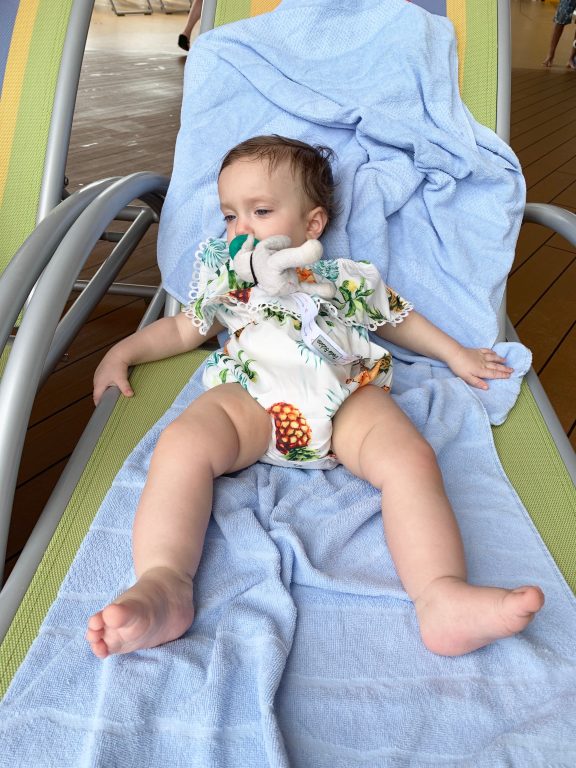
(267, 353)
(292, 433)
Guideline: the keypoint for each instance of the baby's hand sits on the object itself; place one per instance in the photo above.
(474, 365)
(112, 371)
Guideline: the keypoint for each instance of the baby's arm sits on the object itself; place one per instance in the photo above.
(421, 336)
(164, 338)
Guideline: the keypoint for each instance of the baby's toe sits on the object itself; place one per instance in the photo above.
(100, 649)
(528, 600)
(96, 622)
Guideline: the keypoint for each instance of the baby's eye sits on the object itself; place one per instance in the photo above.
(229, 217)
(262, 211)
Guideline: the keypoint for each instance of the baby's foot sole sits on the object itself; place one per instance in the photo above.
(466, 617)
(157, 609)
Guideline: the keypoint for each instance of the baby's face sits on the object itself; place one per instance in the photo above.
(256, 200)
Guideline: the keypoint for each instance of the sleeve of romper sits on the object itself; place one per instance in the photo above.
(364, 299)
(212, 280)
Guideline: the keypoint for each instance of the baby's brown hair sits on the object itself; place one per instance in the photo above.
(310, 164)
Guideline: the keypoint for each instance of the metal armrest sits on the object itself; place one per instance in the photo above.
(561, 221)
(31, 348)
(95, 289)
(21, 275)
(564, 223)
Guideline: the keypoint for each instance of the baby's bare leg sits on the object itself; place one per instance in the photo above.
(222, 431)
(376, 441)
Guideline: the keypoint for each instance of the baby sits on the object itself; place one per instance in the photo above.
(298, 383)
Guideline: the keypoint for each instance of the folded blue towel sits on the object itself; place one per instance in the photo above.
(305, 648)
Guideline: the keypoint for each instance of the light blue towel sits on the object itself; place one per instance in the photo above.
(305, 649)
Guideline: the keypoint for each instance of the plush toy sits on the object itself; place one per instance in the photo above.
(272, 265)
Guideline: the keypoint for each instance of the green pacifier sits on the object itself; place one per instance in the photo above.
(237, 243)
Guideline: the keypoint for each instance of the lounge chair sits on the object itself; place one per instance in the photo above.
(532, 447)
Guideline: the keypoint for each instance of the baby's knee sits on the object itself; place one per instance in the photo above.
(201, 423)
(207, 443)
(419, 452)
(225, 428)
(386, 462)
(180, 436)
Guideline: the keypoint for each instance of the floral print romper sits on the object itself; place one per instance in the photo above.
(300, 377)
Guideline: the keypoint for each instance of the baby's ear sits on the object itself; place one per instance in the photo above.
(317, 220)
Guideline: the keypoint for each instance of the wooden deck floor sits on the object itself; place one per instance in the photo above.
(136, 129)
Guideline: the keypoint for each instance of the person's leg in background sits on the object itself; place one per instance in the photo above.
(562, 17)
(193, 18)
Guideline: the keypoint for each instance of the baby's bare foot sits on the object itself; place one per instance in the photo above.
(457, 618)
(158, 608)
(548, 61)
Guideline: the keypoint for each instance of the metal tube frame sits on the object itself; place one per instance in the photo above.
(561, 221)
(94, 291)
(208, 15)
(551, 216)
(21, 274)
(31, 347)
(564, 223)
(504, 82)
(63, 109)
(503, 97)
(138, 290)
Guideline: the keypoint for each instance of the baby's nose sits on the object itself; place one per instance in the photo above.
(243, 227)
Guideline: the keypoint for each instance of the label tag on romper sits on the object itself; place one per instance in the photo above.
(314, 337)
